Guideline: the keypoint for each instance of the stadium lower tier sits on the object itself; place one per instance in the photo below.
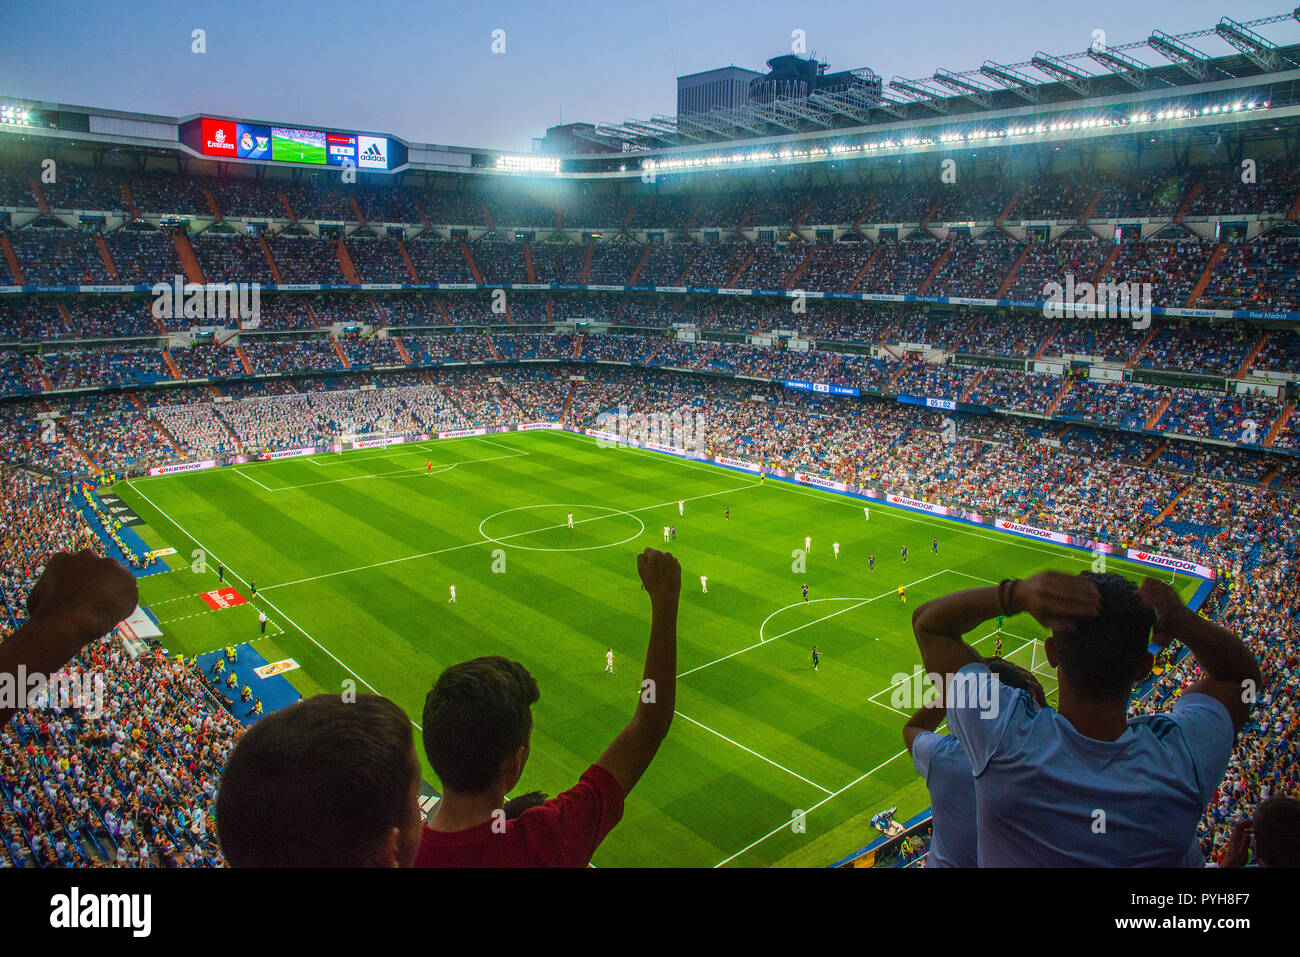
(135, 785)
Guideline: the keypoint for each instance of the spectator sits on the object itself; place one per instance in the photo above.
(323, 783)
(477, 726)
(1083, 786)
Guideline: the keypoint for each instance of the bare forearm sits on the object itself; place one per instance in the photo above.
(658, 698)
(1221, 654)
(40, 646)
(940, 623)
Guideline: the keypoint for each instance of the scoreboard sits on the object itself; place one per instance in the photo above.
(237, 140)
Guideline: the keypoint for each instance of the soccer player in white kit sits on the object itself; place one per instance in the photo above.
(452, 600)
(665, 533)
(836, 546)
(681, 506)
(704, 583)
(867, 513)
(570, 520)
(609, 661)
(807, 543)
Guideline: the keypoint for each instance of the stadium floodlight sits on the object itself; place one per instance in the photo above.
(1263, 53)
(844, 105)
(1015, 81)
(1194, 63)
(1125, 67)
(806, 109)
(920, 94)
(981, 96)
(1064, 72)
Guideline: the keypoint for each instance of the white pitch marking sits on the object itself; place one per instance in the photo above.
(753, 752)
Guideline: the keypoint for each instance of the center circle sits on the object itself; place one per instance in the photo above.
(562, 511)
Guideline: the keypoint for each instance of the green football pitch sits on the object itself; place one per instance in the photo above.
(768, 762)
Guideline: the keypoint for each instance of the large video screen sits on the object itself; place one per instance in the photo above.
(230, 139)
(297, 146)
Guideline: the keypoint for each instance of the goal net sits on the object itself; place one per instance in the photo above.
(1029, 654)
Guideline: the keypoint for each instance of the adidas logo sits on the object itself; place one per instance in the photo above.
(372, 152)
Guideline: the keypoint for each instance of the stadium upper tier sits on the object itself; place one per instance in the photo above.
(987, 194)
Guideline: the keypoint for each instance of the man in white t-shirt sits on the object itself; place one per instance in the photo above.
(836, 547)
(609, 661)
(452, 600)
(807, 544)
(704, 583)
(570, 520)
(1084, 786)
(681, 506)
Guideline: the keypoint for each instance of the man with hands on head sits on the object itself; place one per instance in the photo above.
(477, 729)
(940, 759)
(78, 598)
(1083, 785)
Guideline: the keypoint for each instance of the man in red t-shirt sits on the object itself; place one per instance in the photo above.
(477, 727)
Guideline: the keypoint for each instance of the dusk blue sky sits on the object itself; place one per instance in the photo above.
(425, 71)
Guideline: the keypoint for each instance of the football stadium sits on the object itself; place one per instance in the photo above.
(912, 380)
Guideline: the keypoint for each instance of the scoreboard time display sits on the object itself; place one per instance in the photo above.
(236, 140)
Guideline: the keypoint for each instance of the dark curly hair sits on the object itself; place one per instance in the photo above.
(1102, 658)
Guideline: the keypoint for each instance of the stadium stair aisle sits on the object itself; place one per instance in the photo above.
(189, 262)
(866, 266)
(586, 264)
(743, 266)
(1279, 425)
(270, 261)
(802, 267)
(1255, 350)
(345, 263)
(338, 351)
(469, 261)
(171, 366)
(1007, 209)
(640, 264)
(406, 258)
(1206, 275)
(1146, 341)
(529, 270)
(1190, 198)
(938, 266)
(211, 200)
(39, 193)
(356, 210)
(1160, 410)
(11, 258)
(973, 386)
(106, 254)
(1056, 401)
(243, 360)
(1015, 270)
(128, 197)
